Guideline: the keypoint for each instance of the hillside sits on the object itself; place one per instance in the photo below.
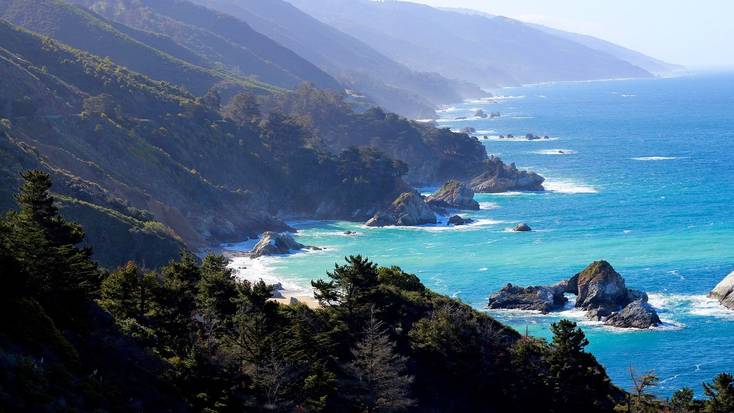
(355, 64)
(125, 142)
(158, 55)
(487, 51)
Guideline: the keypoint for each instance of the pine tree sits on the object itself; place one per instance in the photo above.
(720, 394)
(381, 385)
(128, 292)
(573, 371)
(352, 286)
(45, 245)
(216, 293)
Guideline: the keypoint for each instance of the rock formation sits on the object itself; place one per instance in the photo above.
(522, 228)
(538, 298)
(458, 220)
(599, 290)
(407, 210)
(454, 195)
(274, 243)
(500, 177)
(724, 292)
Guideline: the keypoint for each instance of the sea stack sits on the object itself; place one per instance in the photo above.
(453, 195)
(599, 290)
(724, 291)
(274, 243)
(408, 209)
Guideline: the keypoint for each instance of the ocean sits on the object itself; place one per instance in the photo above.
(639, 173)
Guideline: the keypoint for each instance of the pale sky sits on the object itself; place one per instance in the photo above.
(689, 32)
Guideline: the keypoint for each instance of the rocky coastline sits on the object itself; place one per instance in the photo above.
(599, 290)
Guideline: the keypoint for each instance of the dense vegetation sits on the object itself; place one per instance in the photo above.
(433, 155)
(150, 151)
(191, 337)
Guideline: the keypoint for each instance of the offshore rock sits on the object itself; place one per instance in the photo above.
(538, 298)
(274, 243)
(454, 194)
(408, 209)
(724, 291)
(500, 177)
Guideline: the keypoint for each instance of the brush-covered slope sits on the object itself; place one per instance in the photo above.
(357, 65)
(128, 143)
(486, 51)
(221, 43)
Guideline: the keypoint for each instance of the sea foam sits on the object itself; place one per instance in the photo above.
(568, 187)
(655, 158)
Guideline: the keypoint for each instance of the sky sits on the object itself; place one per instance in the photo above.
(695, 33)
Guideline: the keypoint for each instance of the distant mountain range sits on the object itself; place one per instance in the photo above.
(483, 49)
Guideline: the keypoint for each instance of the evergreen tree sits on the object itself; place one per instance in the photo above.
(574, 372)
(720, 394)
(378, 371)
(216, 291)
(352, 286)
(129, 292)
(45, 245)
(682, 401)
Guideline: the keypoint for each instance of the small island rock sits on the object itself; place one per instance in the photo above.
(637, 314)
(522, 228)
(273, 243)
(724, 291)
(500, 177)
(408, 209)
(600, 290)
(453, 194)
(537, 298)
(457, 220)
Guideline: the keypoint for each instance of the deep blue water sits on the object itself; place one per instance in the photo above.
(645, 182)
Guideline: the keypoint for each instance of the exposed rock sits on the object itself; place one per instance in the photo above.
(724, 291)
(457, 220)
(538, 298)
(468, 130)
(600, 290)
(273, 243)
(522, 228)
(500, 177)
(350, 233)
(600, 286)
(480, 114)
(453, 194)
(637, 314)
(407, 210)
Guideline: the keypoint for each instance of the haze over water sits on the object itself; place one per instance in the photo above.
(639, 173)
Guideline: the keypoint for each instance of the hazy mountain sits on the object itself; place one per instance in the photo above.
(151, 50)
(351, 61)
(638, 59)
(484, 50)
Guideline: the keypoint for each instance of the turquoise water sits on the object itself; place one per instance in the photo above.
(645, 182)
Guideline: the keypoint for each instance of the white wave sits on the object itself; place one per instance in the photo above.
(509, 193)
(483, 269)
(442, 225)
(488, 205)
(517, 139)
(628, 95)
(655, 158)
(264, 268)
(696, 305)
(568, 187)
(556, 152)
